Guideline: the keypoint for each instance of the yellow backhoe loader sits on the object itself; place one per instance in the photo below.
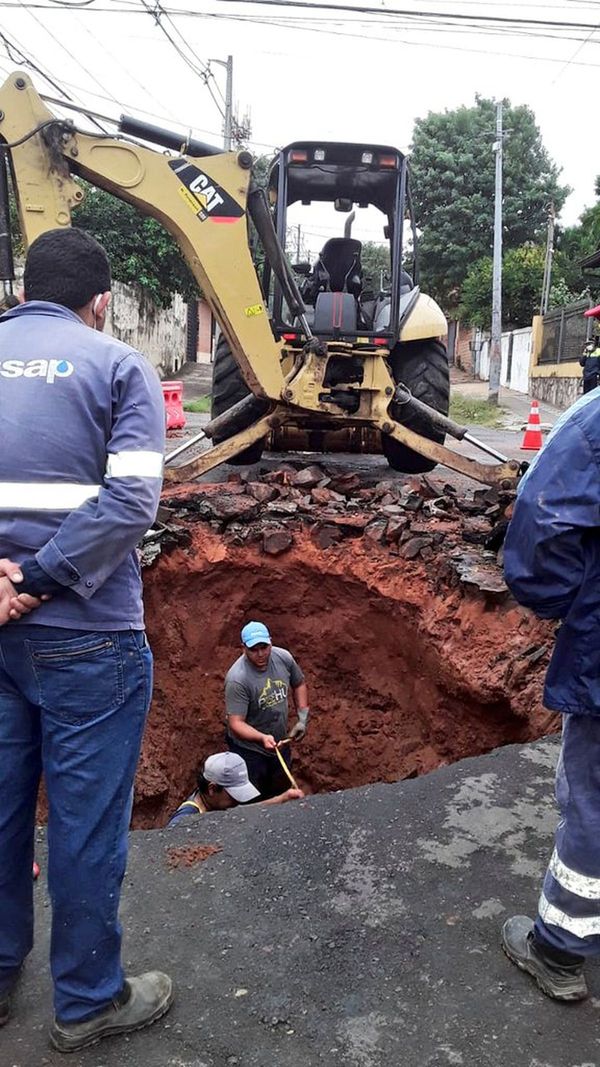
(307, 356)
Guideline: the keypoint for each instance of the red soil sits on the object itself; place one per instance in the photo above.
(406, 671)
(190, 855)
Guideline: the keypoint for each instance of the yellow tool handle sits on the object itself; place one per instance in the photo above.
(287, 770)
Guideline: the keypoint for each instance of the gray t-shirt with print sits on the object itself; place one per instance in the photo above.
(261, 697)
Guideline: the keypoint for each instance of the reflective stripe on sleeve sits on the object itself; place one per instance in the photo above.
(581, 927)
(579, 884)
(45, 496)
(134, 464)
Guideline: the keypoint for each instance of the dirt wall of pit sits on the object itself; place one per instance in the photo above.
(407, 670)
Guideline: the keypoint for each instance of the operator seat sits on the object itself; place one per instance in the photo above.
(337, 285)
(338, 268)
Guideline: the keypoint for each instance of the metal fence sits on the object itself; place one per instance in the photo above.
(564, 333)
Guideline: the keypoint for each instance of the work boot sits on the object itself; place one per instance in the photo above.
(143, 1000)
(562, 981)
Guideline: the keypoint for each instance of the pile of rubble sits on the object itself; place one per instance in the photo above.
(411, 519)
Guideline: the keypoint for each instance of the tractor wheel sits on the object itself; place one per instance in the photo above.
(423, 367)
(228, 387)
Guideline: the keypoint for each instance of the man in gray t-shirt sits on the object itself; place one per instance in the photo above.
(256, 704)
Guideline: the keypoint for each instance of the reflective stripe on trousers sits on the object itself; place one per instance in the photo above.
(569, 906)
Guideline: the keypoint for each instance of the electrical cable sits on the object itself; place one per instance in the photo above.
(476, 22)
(29, 61)
(503, 20)
(156, 15)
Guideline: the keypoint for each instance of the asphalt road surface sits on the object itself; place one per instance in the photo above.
(357, 929)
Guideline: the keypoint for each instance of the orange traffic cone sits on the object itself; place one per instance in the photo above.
(532, 441)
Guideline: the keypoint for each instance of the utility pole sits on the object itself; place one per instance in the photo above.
(228, 121)
(228, 116)
(547, 283)
(298, 238)
(496, 342)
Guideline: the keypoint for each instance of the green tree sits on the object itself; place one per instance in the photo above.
(452, 183)
(575, 243)
(139, 248)
(375, 260)
(522, 278)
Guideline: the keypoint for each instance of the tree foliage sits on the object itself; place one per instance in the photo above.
(375, 260)
(453, 168)
(575, 243)
(139, 248)
(522, 278)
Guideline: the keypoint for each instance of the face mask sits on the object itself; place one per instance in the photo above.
(95, 307)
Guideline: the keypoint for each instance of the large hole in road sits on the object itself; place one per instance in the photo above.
(406, 671)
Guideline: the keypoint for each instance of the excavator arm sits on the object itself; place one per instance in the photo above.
(204, 198)
(202, 202)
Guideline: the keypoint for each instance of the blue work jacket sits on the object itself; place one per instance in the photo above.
(552, 553)
(82, 430)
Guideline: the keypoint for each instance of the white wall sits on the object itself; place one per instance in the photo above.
(519, 372)
(159, 334)
(521, 354)
(132, 317)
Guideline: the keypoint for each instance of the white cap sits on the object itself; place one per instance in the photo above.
(229, 770)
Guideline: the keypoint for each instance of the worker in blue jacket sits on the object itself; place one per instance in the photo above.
(552, 564)
(82, 431)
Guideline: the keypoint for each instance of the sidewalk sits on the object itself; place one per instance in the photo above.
(516, 404)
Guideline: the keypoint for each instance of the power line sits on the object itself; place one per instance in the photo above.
(421, 25)
(97, 41)
(303, 26)
(475, 21)
(33, 64)
(123, 105)
(502, 20)
(69, 53)
(203, 71)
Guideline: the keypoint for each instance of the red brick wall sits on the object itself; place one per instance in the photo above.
(464, 355)
(204, 331)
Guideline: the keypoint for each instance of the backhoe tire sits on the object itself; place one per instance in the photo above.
(423, 367)
(228, 386)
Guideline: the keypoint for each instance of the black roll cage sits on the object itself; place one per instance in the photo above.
(393, 206)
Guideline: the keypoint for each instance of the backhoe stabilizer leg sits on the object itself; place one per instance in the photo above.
(221, 453)
(503, 475)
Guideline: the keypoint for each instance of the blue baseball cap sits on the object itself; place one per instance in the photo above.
(255, 633)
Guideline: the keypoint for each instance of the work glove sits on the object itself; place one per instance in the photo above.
(299, 729)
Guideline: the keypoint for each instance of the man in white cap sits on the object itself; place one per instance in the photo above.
(256, 705)
(223, 783)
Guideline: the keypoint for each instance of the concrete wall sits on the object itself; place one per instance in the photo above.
(556, 383)
(562, 392)
(159, 334)
(516, 356)
(134, 319)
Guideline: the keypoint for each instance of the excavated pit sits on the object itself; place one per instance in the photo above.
(412, 662)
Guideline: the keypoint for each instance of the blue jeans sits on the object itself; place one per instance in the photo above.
(73, 703)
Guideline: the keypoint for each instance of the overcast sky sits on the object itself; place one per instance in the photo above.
(322, 74)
